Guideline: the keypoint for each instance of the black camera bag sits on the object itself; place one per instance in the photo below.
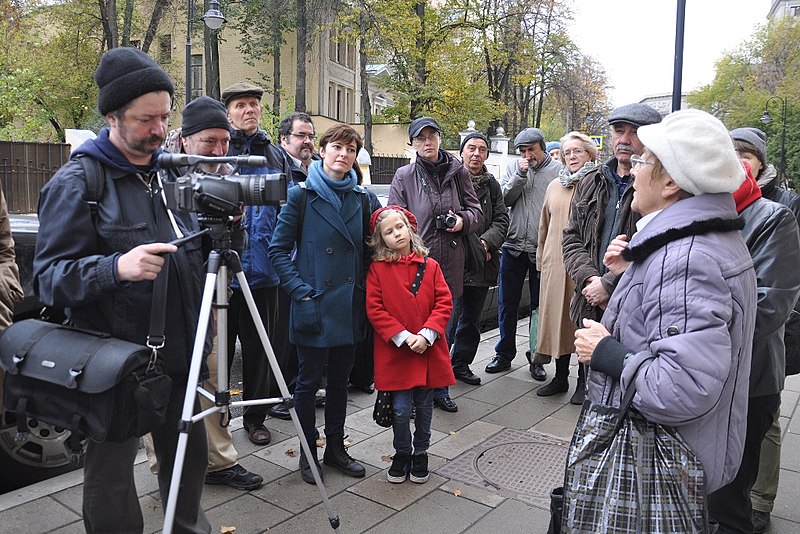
(88, 382)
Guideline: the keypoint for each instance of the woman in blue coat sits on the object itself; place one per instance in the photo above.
(318, 251)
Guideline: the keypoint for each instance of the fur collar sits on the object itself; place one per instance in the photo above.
(642, 251)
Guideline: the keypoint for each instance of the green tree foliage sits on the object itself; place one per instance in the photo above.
(767, 65)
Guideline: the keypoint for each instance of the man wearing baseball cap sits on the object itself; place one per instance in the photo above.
(100, 264)
(601, 210)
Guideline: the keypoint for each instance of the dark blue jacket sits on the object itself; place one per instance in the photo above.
(259, 220)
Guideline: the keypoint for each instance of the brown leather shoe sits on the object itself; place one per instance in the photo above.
(258, 434)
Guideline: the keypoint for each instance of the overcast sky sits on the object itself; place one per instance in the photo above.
(635, 40)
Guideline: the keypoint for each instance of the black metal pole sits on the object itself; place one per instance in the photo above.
(783, 143)
(677, 78)
(189, 17)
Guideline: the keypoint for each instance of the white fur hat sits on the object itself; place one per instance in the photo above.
(696, 150)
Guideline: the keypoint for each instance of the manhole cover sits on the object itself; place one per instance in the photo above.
(521, 465)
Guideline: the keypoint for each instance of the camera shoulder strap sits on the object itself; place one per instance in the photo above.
(95, 175)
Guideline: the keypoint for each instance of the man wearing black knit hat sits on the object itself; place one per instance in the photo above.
(99, 259)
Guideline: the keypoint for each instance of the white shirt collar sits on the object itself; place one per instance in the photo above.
(644, 221)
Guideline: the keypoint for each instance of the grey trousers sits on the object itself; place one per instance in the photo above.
(110, 503)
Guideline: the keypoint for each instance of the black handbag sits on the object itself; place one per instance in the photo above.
(382, 413)
(90, 383)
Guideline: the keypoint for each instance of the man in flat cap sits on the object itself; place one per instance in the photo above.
(523, 186)
(601, 210)
(243, 104)
(99, 261)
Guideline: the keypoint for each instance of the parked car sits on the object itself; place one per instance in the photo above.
(41, 452)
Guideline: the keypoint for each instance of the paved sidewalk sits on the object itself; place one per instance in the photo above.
(492, 465)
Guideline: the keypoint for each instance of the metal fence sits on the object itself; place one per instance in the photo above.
(25, 168)
(384, 166)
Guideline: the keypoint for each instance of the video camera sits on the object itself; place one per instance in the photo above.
(218, 195)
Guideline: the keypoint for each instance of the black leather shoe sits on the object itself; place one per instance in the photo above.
(498, 365)
(465, 374)
(580, 394)
(305, 469)
(446, 403)
(556, 386)
(279, 411)
(537, 372)
(336, 456)
(369, 389)
(236, 477)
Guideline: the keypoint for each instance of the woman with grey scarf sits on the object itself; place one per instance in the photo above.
(556, 337)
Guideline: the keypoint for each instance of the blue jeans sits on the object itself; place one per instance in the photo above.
(312, 362)
(401, 426)
(466, 324)
(512, 277)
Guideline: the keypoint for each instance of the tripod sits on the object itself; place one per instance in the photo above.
(220, 259)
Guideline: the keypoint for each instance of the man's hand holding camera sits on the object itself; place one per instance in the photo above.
(143, 262)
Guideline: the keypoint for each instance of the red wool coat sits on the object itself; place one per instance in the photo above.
(392, 308)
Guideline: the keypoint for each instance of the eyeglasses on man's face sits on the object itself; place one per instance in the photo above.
(310, 136)
(422, 139)
(639, 160)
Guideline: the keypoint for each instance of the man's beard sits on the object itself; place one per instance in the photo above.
(305, 154)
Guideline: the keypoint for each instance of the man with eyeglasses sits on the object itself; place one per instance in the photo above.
(243, 104)
(298, 135)
(601, 210)
(523, 185)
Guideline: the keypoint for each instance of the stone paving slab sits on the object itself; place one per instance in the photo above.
(466, 438)
(396, 496)
(356, 514)
(513, 516)
(439, 512)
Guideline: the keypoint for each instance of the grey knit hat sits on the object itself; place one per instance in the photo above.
(529, 136)
(125, 74)
(755, 137)
(636, 114)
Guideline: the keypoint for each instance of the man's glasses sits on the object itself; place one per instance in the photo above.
(310, 137)
(421, 139)
(639, 160)
(574, 152)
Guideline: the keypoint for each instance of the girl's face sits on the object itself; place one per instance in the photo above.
(338, 158)
(395, 233)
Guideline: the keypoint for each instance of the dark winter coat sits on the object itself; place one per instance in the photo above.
(75, 260)
(435, 197)
(493, 230)
(583, 236)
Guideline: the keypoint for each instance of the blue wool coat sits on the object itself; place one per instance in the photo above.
(328, 266)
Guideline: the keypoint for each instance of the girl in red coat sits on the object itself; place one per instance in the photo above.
(409, 305)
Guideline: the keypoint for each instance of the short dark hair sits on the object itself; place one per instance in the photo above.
(341, 132)
(285, 127)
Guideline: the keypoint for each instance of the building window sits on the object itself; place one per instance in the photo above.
(794, 11)
(165, 48)
(197, 76)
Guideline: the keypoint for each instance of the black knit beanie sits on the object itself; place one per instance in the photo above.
(475, 135)
(125, 74)
(203, 113)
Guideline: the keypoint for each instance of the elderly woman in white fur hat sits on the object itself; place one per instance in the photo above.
(679, 325)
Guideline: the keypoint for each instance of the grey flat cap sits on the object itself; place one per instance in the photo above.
(636, 114)
(238, 90)
(529, 136)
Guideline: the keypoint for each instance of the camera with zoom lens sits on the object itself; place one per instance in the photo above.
(216, 195)
(445, 221)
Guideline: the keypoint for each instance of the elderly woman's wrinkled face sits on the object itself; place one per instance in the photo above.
(427, 143)
(575, 155)
(647, 189)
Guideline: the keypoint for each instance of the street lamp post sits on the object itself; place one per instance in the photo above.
(213, 19)
(765, 119)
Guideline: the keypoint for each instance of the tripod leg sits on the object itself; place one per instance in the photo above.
(273, 363)
(185, 424)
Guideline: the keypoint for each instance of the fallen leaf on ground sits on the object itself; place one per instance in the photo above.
(347, 443)
(453, 432)
(457, 493)
(236, 392)
(320, 442)
(385, 458)
(226, 530)
(291, 453)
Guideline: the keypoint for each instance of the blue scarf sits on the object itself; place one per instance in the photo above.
(326, 187)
